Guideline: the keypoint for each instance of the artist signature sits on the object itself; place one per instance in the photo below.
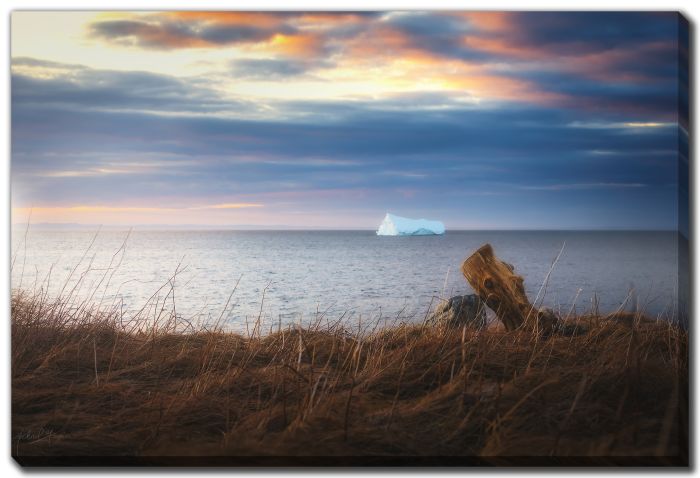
(32, 434)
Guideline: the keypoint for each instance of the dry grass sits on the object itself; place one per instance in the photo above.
(86, 384)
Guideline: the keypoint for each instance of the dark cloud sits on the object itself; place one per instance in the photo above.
(165, 33)
(85, 88)
(584, 32)
(224, 35)
(85, 135)
(274, 69)
(195, 29)
(637, 101)
(366, 145)
(641, 46)
(441, 34)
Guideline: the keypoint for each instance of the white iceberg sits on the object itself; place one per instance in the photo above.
(400, 226)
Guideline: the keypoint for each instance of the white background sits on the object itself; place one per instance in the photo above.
(690, 8)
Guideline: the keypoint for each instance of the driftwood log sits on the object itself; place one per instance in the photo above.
(502, 290)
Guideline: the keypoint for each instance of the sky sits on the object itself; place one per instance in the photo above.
(484, 120)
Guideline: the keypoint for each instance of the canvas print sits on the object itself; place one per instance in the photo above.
(343, 238)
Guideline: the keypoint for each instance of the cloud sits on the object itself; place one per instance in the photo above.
(148, 34)
(90, 172)
(281, 32)
(630, 125)
(595, 60)
(57, 110)
(574, 33)
(619, 48)
(582, 186)
(75, 86)
(445, 105)
(274, 69)
(175, 30)
(63, 149)
(112, 209)
(89, 209)
(164, 33)
(239, 205)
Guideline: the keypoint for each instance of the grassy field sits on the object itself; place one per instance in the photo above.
(86, 384)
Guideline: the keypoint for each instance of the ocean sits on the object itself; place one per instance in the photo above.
(292, 276)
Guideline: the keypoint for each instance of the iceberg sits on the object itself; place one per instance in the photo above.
(401, 226)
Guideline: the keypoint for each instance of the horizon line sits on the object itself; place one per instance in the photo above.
(284, 227)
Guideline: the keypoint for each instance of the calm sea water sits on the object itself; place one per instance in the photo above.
(292, 274)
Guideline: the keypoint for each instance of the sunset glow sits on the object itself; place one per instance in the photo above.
(316, 119)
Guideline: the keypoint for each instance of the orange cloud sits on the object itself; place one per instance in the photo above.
(504, 88)
(329, 18)
(130, 215)
(411, 66)
(613, 64)
(501, 46)
(99, 208)
(255, 19)
(296, 45)
(381, 42)
(321, 20)
(489, 21)
(239, 205)
(274, 33)
(389, 54)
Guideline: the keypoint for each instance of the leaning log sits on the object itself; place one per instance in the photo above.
(502, 290)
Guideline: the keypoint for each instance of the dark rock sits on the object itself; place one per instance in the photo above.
(459, 311)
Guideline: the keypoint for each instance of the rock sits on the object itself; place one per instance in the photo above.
(459, 311)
